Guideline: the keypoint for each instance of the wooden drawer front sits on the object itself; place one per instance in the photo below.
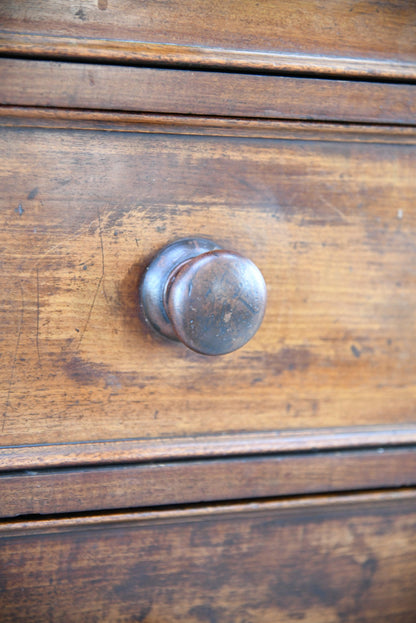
(330, 223)
(344, 559)
(344, 38)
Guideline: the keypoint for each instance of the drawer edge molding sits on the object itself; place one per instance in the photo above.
(372, 501)
(141, 450)
(154, 123)
(200, 57)
(69, 490)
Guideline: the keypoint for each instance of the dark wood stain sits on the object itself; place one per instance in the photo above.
(80, 13)
(83, 372)
(289, 360)
(33, 193)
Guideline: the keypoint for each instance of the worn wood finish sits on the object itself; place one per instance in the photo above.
(179, 482)
(345, 559)
(368, 38)
(331, 225)
(138, 89)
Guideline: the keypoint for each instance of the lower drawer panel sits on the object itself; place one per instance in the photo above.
(345, 558)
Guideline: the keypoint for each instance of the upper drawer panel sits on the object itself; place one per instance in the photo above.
(342, 38)
(329, 220)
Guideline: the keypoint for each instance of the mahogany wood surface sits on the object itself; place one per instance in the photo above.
(143, 89)
(330, 224)
(347, 38)
(339, 559)
(34, 492)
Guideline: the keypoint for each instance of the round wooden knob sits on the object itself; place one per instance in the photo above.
(210, 299)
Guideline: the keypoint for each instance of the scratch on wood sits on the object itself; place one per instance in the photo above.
(56, 246)
(94, 298)
(337, 210)
(100, 233)
(13, 366)
(97, 289)
(37, 316)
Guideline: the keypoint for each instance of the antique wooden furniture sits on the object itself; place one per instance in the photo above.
(143, 481)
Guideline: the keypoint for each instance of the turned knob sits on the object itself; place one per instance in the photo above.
(210, 299)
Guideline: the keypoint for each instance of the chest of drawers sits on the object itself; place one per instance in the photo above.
(142, 481)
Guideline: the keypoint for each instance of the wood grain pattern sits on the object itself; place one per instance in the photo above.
(138, 89)
(345, 38)
(183, 482)
(343, 559)
(331, 226)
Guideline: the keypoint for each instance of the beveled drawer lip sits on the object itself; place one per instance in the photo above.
(193, 125)
(142, 450)
(405, 497)
(289, 41)
(179, 482)
(200, 57)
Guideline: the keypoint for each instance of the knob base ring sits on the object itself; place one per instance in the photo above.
(158, 275)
